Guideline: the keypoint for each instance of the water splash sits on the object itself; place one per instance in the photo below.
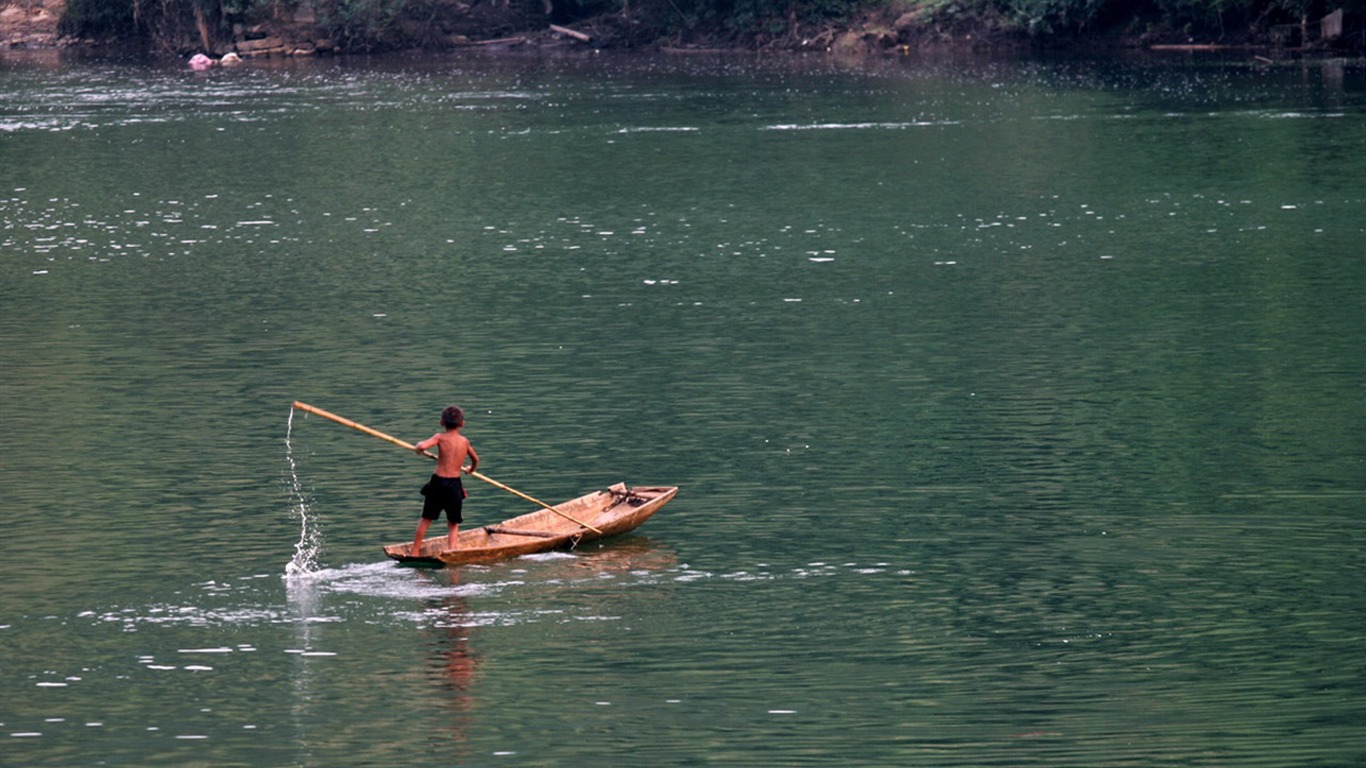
(305, 561)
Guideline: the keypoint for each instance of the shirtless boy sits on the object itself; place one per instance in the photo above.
(445, 491)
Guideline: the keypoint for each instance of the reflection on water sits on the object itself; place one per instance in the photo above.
(453, 623)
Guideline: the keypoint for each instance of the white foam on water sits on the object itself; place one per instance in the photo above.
(660, 129)
(541, 557)
(859, 126)
(381, 579)
(190, 615)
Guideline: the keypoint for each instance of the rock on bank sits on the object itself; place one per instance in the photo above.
(30, 24)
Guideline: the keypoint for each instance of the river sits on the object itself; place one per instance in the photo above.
(1016, 406)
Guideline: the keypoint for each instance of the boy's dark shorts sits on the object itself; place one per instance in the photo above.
(446, 493)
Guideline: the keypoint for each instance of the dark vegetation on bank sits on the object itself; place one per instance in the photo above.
(305, 27)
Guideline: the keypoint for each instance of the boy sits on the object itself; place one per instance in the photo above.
(445, 490)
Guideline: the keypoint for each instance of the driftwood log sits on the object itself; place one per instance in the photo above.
(574, 33)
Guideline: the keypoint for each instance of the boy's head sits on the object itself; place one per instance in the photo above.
(452, 417)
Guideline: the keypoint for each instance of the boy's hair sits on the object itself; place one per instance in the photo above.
(452, 417)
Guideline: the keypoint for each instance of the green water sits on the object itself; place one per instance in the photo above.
(1017, 409)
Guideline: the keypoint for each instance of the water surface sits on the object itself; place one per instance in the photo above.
(1016, 407)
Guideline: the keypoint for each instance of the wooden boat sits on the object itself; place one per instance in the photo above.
(613, 511)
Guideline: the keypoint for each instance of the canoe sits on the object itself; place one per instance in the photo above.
(613, 511)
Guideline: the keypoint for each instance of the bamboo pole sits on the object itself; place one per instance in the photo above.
(388, 438)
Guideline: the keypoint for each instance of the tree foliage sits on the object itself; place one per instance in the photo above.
(1045, 18)
(370, 24)
(97, 19)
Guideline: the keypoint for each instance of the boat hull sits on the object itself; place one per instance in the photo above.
(613, 512)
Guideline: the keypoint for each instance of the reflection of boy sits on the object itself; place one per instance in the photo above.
(445, 491)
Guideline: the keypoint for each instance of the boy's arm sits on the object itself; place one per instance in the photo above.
(425, 444)
(474, 459)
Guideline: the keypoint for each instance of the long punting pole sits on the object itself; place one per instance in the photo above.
(388, 438)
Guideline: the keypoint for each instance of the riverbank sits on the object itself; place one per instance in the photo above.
(889, 28)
